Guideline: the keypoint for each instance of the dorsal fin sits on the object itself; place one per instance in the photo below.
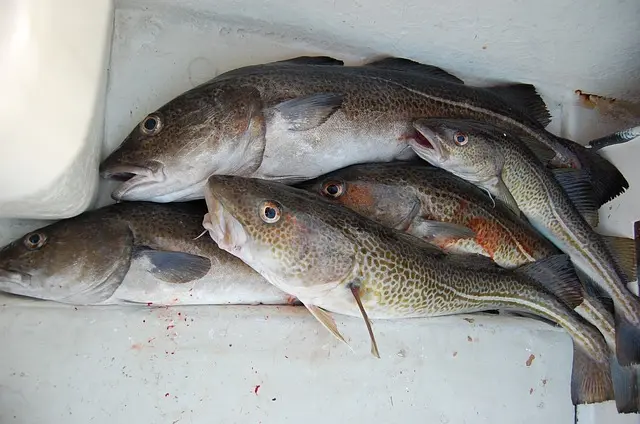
(401, 64)
(576, 184)
(557, 274)
(525, 98)
(312, 60)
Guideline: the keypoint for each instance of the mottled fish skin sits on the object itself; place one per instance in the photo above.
(317, 250)
(538, 195)
(102, 257)
(399, 195)
(240, 123)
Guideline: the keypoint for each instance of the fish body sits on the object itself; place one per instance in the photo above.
(131, 252)
(294, 120)
(323, 254)
(416, 198)
(498, 162)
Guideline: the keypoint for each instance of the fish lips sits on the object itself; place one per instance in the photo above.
(12, 281)
(427, 145)
(136, 179)
(223, 227)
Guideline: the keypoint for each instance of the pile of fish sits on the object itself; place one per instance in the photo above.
(383, 191)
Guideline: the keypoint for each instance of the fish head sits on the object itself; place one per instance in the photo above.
(289, 236)
(68, 261)
(211, 129)
(372, 190)
(463, 147)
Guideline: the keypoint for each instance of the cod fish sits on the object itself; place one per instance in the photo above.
(297, 119)
(557, 203)
(335, 260)
(131, 252)
(435, 205)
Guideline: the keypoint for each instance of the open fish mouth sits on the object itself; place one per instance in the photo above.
(133, 179)
(223, 227)
(427, 145)
(12, 281)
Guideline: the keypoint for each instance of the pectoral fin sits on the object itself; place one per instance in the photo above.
(305, 113)
(174, 267)
(439, 233)
(327, 321)
(498, 189)
(355, 290)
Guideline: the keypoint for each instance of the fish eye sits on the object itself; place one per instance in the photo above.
(35, 241)
(460, 138)
(333, 189)
(151, 125)
(270, 212)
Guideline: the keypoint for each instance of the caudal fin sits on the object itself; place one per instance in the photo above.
(590, 380)
(627, 341)
(607, 181)
(625, 387)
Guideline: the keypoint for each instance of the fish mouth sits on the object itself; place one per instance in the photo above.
(426, 144)
(10, 280)
(223, 227)
(133, 178)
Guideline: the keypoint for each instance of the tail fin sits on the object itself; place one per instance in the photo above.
(608, 182)
(627, 341)
(590, 380)
(625, 387)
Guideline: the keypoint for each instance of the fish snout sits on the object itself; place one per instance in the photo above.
(135, 179)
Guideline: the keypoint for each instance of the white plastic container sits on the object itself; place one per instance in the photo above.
(76, 77)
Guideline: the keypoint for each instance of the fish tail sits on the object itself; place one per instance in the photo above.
(591, 380)
(607, 180)
(625, 387)
(628, 337)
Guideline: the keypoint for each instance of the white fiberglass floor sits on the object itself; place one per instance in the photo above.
(69, 365)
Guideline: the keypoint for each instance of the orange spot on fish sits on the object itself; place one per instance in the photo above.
(488, 234)
(358, 195)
